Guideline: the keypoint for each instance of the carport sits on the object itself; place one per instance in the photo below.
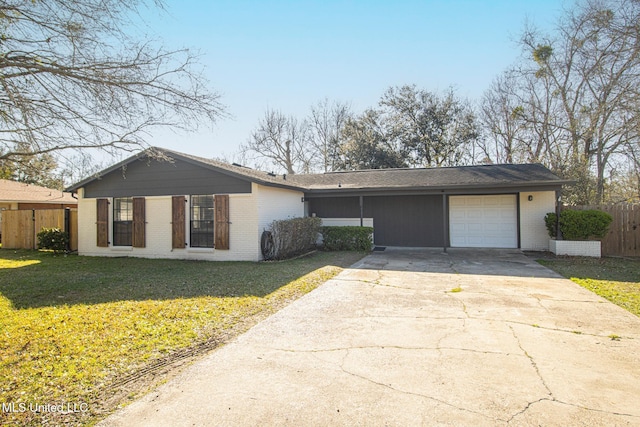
(488, 206)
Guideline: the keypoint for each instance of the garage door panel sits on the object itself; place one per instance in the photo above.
(492, 228)
(483, 221)
(473, 228)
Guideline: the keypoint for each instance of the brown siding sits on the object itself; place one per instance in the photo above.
(178, 237)
(102, 222)
(23, 206)
(138, 238)
(221, 225)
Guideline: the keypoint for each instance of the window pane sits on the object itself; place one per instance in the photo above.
(202, 208)
(201, 221)
(122, 221)
(123, 209)
(122, 233)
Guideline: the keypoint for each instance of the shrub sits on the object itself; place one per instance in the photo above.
(53, 239)
(584, 225)
(347, 238)
(292, 237)
(550, 220)
(579, 225)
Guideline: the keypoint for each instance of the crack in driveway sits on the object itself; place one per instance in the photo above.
(407, 392)
(474, 361)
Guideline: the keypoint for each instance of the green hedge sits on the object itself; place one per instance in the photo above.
(551, 220)
(579, 225)
(53, 239)
(347, 238)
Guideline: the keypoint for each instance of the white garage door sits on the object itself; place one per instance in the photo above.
(483, 221)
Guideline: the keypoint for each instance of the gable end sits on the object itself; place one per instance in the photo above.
(148, 177)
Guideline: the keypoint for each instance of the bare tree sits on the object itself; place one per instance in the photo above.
(283, 141)
(71, 77)
(327, 121)
(500, 117)
(592, 71)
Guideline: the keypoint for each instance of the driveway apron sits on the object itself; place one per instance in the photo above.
(419, 337)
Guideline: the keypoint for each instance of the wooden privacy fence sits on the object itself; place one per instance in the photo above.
(623, 238)
(20, 227)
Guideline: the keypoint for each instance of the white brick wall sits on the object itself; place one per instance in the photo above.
(243, 243)
(339, 222)
(87, 234)
(533, 232)
(590, 248)
(277, 203)
(251, 213)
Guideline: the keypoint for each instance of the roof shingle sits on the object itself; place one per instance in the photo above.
(505, 175)
(432, 178)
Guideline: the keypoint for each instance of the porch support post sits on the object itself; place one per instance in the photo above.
(445, 222)
(361, 211)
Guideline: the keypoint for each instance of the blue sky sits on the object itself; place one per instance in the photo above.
(288, 55)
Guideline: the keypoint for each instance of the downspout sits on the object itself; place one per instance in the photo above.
(361, 211)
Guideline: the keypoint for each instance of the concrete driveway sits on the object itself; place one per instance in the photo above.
(418, 337)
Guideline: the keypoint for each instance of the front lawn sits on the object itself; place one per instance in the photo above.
(82, 333)
(615, 279)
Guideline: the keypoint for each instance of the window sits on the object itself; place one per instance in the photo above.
(201, 221)
(122, 221)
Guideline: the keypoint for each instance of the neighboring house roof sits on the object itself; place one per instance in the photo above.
(434, 179)
(12, 191)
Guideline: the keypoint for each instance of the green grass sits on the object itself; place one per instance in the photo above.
(615, 279)
(71, 328)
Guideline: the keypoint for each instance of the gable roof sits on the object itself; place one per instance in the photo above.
(434, 179)
(12, 191)
(162, 154)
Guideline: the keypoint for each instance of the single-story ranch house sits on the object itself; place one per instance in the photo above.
(182, 206)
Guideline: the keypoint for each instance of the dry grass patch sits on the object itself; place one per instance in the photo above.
(74, 328)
